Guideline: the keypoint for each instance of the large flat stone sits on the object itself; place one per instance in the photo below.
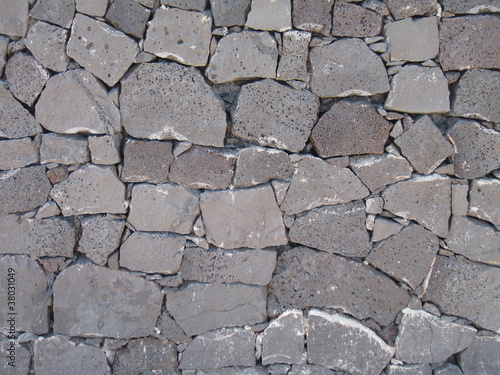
(310, 370)
(171, 101)
(481, 356)
(471, 6)
(230, 12)
(270, 15)
(15, 120)
(295, 53)
(64, 149)
(128, 16)
(483, 200)
(355, 21)
(21, 365)
(146, 161)
(58, 12)
(14, 17)
(236, 370)
(313, 15)
(92, 7)
(413, 369)
(408, 8)
(17, 153)
(199, 308)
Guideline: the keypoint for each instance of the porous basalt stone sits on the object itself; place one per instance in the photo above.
(186, 4)
(408, 8)
(15, 120)
(355, 21)
(58, 12)
(14, 17)
(230, 12)
(471, 6)
(47, 43)
(270, 15)
(92, 7)
(483, 200)
(313, 15)
(17, 153)
(236, 370)
(128, 16)
(384, 228)
(64, 149)
(481, 356)
(295, 52)
(105, 149)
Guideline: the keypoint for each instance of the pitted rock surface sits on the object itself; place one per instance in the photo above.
(15, 120)
(313, 15)
(128, 16)
(293, 62)
(17, 153)
(355, 21)
(14, 17)
(230, 12)
(59, 12)
(483, 200)
(408, 8)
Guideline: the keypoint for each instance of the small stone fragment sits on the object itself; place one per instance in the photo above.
(471, 6)
(230, 12)
(295, 52)
(58, 174)
(414, 369)
(146, 161)
(384, 228)
(49, 209)
(105, 149)
(14, 17)
(355, 21)
(313, 15)
(448, 369)
(128, 16)
(481, 356)
(408, 8)
(47, 43)
(17, 153)
(270, 15)
(459, 200)
(483, 200)
(92, 7)
(58, 12)
(64, 149)
(186, 4)
(15, 120)
(374, 205)
(171, 330)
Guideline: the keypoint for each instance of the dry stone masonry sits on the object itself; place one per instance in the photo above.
(250, 187)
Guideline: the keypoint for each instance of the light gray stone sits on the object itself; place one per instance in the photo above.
(128, 16)
(483, 200)
(270, 15)
(105, 149)
(459, 199)
(4, 45)
(414, 369)
(448, 369)
(199, 308)
(64, 149)
(295, 52)
(230, 12)
(16, 358)
(92, 7)
(355, 21)
(313, 15)
(342, 343)
(14, 17)
(481, 356)
(15, 120)
(186, 4)
(47, 43)
(236, 370)
(310, 370)
(408, 8)
(384, 228)
(171, 330)
(163, 208)
(347, 67)
(272, 114)
(17, 153)
(471, 6)
(59, 12)
(243, 55)
(49, 209)
(374, 205)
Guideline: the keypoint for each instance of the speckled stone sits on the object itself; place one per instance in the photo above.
(270, 15)
(230, 12)
(471, 6)
(384, 228)
(170, 329)
(4, 45)
(15, 120)
(186, 4)
(409, 8)
(17, 153)
(47, 43)
(310, 370)
(58, 12)
(128, 16)
(483, 200)
(293, 62)
(448, 369)
(64, 149)
(313, 15)
(413, 369)
(14, 17)
(23, 358)
(235, 370)
(481, 356)
(92, 7)
(105, 149)
(355, 21)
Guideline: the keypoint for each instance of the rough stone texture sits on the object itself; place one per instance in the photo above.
(105, 149)
(313, 15)
(295, 52)
(180, 35)
(424, 146)
(146, 161)
(336, 229)
(419, 89)
(47, 237)
(236, 370)
(476, 149)
(350, 127)
(481, 356)
(464, 45)
(384, 228)
(414, 369)
(476, 95)
(254, 267)
(230, 12)
(223, 348)
(342, 343)
(22, 358)
(128, 16)
(306, 278)
(202, 168)
(101, 49)
(459, 199)
(243, 218)
(164, 208)
(283, 339)
(4, 45)
(91, 189)
(15, 120)
(355, 21)
(59, 12)
(100, 237)
(424, 338)
(14, 17)
(425, 199)
(471, 6)
(58, 174)
(199, 308)
(92, 7)
(121, 305)
(347, 67)
(408, 8)
(186, 4)
(74, 102)
(170, 101)
(272, 114)
(243, 55)
(413, 39)
(318, 183)
(30, 289)
(47, 43)
(146, 356)
(17, 153)
(461, 287)
(270, 15)
(171, 330)
(381, 170)
(57, 355)
(483, 200)
(64, 149)
(448, 369)
(310, 370)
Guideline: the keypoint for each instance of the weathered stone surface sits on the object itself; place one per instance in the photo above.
(15, 120)
(471, 6)
(199, 308)
(318, 183)
(481, 356)
(105, 149)
(163, 208)
(384, 228)
(350, 127)
(180, 35)
(146, 356)
(100, 237)
(254, 267)
(22, 358)
(64, 149)
(171, 330)
(92, 7)
(355, 21)
(408, 8)
(128, 16)
(57, 355)
(283, 339)
(47, 237)
(243, 55)
(75, 101)
(342, 343)
(424, 338)
(381, 170)
(333, 281)
(313, 15)
(483, 200)
(413, 39)
(236, 370)
(146, 161)
(47, 43)
(58, 174)
(26, 77)
(419, 89)
(14, 17)
(424, 146)
(295, 52)
(230, 12)
(24, 278)
(120, 305)
(310, 370)
(270, 15)
(4, 45)
(243, 218)
(101, 49)
(459, 198)
(425, 199)
(476, 149)
(202, 168)
(272, 114)
(414, 369)
(336, 229)
(223, 348)
(448, 369)
(469, 42)
(59, 12)
(461, 287)
(476, 95)
(170, 101)
(347, 67)
(91, 189)
(17, 153)
(186, 4)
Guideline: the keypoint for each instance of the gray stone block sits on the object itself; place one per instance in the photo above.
(295, 53)
(230, 12)
(483, 200)
(481, 357)
(270, 15)
(186, 4)
(14, 17)
(236, 370)
(448, 369)
(15, 120)
(64, 149)
(171, 330)
(105, 149)
(355, 21)
(22, 358)
(310, 370)
(384, 228)
(47, 43)
(92, 7)
(17, 153)
(409, 8)
(313, 15)
(58, 12)
(128, 16)
(471, 6)
(414, 369)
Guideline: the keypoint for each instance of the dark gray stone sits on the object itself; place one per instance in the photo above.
(295, 53)
(483, 200)
(236, 370)
(481, 357)
(355, 21)
(313, 15)
(47, 43)
(146, 161)
(310, 370)
(230, 12)
(448, 369)
(59, 12)
(414, 369)
(17, 153)
(22, 358)
(15, 120)
(128, 16)
(186, 4)
(270, 15)
(471, 6)
(171, 330)
(92, 7)
(14, 17)
(64, 149)
(409, 8)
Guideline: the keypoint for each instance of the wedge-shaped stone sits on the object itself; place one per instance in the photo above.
(121, 305)
(425, 199)
(75, 102)
(171, 101)
(461, 287)
(64, 149)
(272, 114)
(471, 6)
(413, 369)
(146, 161)
(384, 228)
(344, 344)
(318, 183)
(59, 12)
(408, 8)
(17, 153)
(47, 43)
(353, 20)
(313, 15)
(481, 356)
(484, 202)
(307, 278)
(424, 338)
(270, 15)
(171, 330)
(199, 308)
(128, 16)
(243, 218)
(185, 4)
(293, 62)
(230, 12)
(15, 120)
(14, 17)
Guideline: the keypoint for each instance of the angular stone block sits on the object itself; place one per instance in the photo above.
(313, 15)
(270, 15)
(14, 17)
(15, 120)
(384, 228)
(448, 369)
(483, 200)
(236, 370)
(59, 12)
(105, 149)
(408, 8)
(355, 21)
(17, 153)
(186, 4)
(481, 356)
(409, 369)
(471, 6)
(293, 62)
(128, 16)
(21, 366)
(47, 43)
(310, 370)
(171, 330)
(92, 7)
(64, 149)
(230, 12)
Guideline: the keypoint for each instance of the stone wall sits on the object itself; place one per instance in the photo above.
(250, 187)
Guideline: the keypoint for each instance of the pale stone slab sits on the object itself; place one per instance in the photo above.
(105, 149)
(408, 8)
(59, 12)
(230, 12)
(270, 15)
(64, 149)
(384, 228)
(21, 366)
(484, 202)
(186, 4)
(17, 153)
(47, 43)
(481, 356)
(92, 7)
(414, 369)
(14, 17)
(15, 120)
